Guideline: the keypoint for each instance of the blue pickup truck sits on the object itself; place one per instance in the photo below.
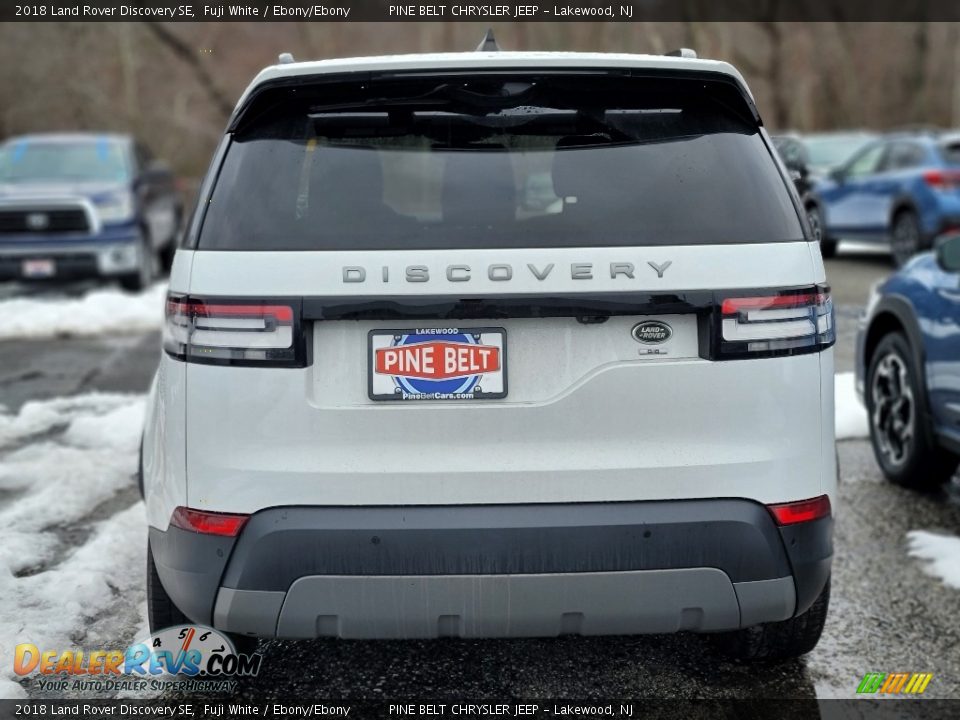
(85, 206)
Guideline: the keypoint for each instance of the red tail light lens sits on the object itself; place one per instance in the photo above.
(208, 523)
(942, 179)
(801, 512)
(778, 323)
(227, 332)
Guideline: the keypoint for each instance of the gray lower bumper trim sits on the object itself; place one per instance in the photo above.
(763, 601)
(543, 605)
(251, 612)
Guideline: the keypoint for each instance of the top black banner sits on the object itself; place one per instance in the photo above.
(484, 12)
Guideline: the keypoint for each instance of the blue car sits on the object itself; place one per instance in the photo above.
(85, 205)
(902, 190)
(908, 368)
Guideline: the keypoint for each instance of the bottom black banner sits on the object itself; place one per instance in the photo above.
(537, 708)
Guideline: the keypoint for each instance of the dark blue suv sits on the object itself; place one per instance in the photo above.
(903, 189)
(908, 368)
(85, 205)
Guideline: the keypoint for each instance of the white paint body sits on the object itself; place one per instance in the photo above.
(587, 416)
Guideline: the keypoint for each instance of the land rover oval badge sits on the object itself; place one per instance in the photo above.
(651, 332)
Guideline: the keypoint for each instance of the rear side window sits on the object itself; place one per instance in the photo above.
(498, 163)
(951, 152)
(904, 156)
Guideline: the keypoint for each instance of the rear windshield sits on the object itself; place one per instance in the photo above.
(498, 163)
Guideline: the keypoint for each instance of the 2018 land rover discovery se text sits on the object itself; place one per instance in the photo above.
(495, 344)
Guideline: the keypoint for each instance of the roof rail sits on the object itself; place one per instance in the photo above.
(683, 53)
(916, 129)
(489, 43)
(285, 58)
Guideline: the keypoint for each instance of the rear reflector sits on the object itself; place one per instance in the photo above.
(801, 512)
(776, 323)
(231, 332)
(208, 523)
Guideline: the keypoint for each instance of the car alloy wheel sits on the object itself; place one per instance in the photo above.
(906, 238)
(894, 409)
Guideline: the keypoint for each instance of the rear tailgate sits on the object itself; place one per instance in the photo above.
(589, 414)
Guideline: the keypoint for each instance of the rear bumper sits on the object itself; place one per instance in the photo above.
(498, 571)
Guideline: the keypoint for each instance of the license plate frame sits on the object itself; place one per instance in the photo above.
(463, 385)
(38, 268)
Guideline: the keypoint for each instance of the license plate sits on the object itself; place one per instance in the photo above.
(435, 364)
(38, 268)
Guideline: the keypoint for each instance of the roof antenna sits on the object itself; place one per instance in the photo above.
(285, 58)
(682, 53)
(489, 43)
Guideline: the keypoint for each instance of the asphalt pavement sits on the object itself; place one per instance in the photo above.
(887, 614)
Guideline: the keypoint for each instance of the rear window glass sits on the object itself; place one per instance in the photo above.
(951, 152)
(499, 163)
(39, 161)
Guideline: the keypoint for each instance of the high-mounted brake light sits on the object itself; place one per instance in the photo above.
(778, 323)
(208, 523)
(801, 512)
(226, 332)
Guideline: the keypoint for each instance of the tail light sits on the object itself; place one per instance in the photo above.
(801, 512)
(782, 323)
(208, 523)
(233, 332)
(942, 179)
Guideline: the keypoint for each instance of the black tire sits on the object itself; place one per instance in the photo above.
(161, 611)
(902, 439)
(243, 644)
(166, 257)
(828, 246)
(143, 276)
(906, 237)
(167, 252)
(783, 640)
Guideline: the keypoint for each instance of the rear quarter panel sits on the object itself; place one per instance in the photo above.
(165, 432)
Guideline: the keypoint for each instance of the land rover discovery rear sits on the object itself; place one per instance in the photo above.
(495, 345)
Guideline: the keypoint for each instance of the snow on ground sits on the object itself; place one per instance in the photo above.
(63, 559)
(942, 553)
(84, 451)
(98, 312)
(851, 417)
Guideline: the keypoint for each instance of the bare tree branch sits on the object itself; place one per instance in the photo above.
(189, 56)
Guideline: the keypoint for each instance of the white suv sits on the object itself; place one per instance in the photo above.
(495, 344)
